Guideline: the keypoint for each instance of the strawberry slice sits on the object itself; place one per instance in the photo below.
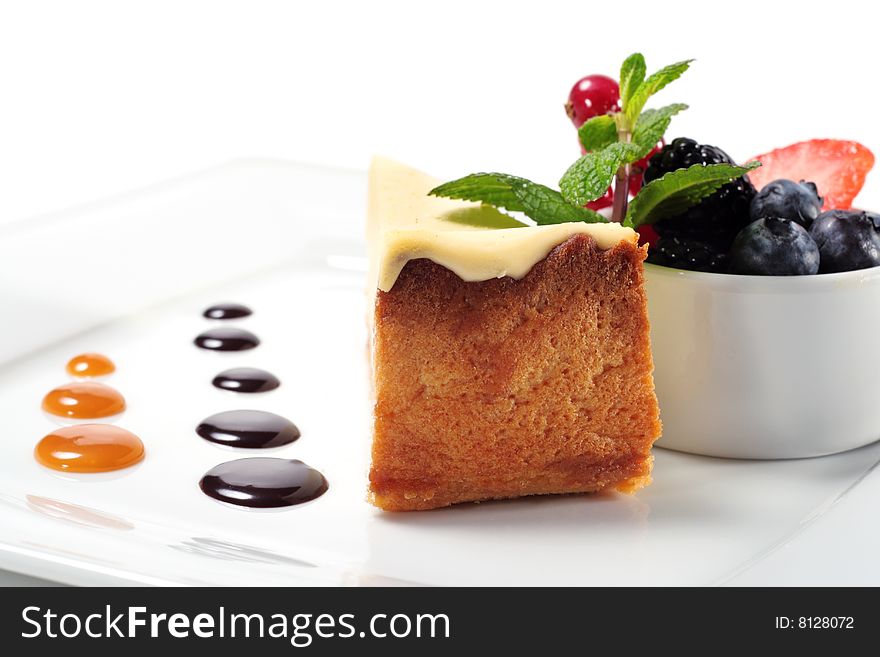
(837, 167)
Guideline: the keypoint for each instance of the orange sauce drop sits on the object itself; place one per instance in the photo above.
(89, 448)
(84, 400)
(89, 365)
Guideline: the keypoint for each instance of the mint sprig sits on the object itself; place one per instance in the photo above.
(613, 142)
(598, 132)
(676, 191)
(652, 125)
(651, 86)
(590, 176)
(538, 202)
(632, 75)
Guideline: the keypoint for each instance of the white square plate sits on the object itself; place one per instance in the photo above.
(130, 276)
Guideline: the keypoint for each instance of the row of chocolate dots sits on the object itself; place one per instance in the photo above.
(251, 482)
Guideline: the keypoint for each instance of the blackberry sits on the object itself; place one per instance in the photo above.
(684, 253)
(716, 219)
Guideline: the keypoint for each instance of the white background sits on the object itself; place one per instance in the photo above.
(97, 97)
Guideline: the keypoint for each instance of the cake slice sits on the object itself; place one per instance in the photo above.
(508, 360)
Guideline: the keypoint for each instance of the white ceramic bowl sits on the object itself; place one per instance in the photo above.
(766, 367)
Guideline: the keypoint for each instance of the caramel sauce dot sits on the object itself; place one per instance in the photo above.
(84, 400)
(90, 365)
(89, 448)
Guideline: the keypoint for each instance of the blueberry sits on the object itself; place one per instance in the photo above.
(847, 240)
(799, 202)
(773, 246)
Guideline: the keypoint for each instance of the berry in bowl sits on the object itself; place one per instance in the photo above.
(762, 280)
(761, 342)
(762, 294)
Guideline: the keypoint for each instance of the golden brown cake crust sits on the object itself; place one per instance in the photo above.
(505, 387)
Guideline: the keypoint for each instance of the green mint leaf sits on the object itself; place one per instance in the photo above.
(540, 203)
(654, 83)
(632, 75)
(652, 125)
(678, 190)
(589, 177)
(598, 132)
(547, 206)
(489, 188)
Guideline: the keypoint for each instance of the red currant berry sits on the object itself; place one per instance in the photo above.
(637, 170)
(592, 96)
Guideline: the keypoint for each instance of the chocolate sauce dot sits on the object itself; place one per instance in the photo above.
(263, 482)
(227, 339)
(227, 311)
(248, 429)
(246, 379)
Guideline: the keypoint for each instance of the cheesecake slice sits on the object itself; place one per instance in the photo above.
(507, 359)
